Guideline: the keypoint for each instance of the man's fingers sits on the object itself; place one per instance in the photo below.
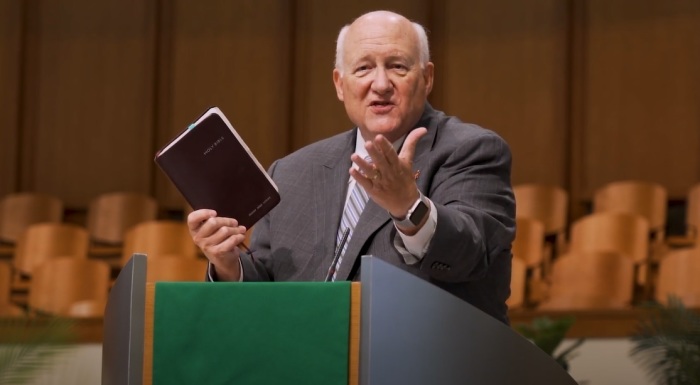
(203, 227)
(366, 168)
(381, 151)
(409, 146)
(196, 218)
(227, 245)
(362, 179)
(223, 233)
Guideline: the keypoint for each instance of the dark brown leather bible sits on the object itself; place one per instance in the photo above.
(213, 168)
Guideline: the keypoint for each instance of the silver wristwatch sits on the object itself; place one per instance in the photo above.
(415, 214)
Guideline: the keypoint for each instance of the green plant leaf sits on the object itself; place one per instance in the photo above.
(33, 347)
(545, 332)
(667, 344)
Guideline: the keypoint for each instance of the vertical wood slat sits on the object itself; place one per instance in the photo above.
(10, 70)
(234, 55)
(577, 107)
(506, 69)
(642, 92)
(88, 111)
(148, 332)
(354, 343)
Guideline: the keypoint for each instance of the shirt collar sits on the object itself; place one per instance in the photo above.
(360, 144)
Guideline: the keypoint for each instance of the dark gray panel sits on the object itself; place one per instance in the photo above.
(122, 348)
(413, 332)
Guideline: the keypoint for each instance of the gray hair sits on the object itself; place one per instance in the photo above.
(423, 46)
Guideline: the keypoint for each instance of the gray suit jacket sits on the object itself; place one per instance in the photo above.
(464, 170)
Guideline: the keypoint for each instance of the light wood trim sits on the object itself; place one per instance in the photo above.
(354, 346)
(608, 323)
(83, 330)
(604, 323)
(148, 334)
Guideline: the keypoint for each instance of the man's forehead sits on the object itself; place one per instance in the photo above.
(383, 53)
(379, 27)
(386, 40)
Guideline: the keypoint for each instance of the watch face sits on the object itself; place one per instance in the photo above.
(419, 213)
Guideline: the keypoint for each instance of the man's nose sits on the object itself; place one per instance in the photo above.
(381, 83)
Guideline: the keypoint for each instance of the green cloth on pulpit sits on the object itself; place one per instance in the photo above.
(245, 333)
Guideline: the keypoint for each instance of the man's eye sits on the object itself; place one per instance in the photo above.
(361, 69)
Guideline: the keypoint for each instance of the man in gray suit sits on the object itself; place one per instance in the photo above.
(440, 200)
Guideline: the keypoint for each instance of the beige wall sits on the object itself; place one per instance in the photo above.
(585, 91)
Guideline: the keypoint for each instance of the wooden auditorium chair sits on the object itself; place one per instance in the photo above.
(626, 234)
(528, 248)
(549, 205)
(175, 268)
(646, 199)
(44, 241)
(518, 284)
(110, 215)
(7, 308)
(679, 272)
(61, 283)
(158, 238)
(19, 211)
(589, 280)
(692, 221)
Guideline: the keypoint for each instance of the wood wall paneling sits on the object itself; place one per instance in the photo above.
(642, 94)
(585, 92)
(10, 61)
(505, 68)
(317, 111)
(88, 97)
(232, 54)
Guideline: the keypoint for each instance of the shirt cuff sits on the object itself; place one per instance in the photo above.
(211, 273)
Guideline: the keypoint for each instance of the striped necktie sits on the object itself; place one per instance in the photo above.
(353, 208)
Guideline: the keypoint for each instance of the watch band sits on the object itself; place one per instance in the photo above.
(415, 214)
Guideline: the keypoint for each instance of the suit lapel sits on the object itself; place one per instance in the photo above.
(332, 176)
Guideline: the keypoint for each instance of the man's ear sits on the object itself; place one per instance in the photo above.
(428, 72)
(338, 81)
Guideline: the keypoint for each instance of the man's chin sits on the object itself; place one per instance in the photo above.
(389, 128)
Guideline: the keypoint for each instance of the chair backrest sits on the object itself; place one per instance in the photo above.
(591, 280)
(87, 308)
(111, 214)
(7, 308)
(59, 283)
(546, 203)
(518, 282)
(528, 245)
(692, 213)
(627, 234)
(10, 310)
(549, 205)
(679, 272)
(648, 200)
(158, 238)
(175, 268)
(42, 241)
(18, 211)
